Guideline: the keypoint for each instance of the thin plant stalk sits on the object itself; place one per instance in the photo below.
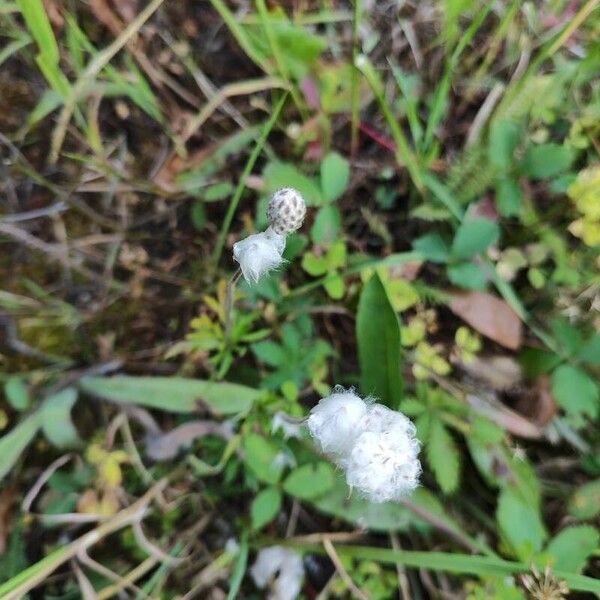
(229, 300)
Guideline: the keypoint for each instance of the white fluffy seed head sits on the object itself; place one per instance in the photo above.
(259, 253)
(283, 562)
(336, 421)
(286, 211)
(384, 466)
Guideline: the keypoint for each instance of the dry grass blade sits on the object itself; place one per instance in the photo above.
(92, 70)
(335, 559)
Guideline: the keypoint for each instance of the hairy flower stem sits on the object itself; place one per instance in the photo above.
(229, 297)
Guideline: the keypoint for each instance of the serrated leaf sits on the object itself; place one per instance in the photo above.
(474, 236)
(309, 481)
(520, 523)
(173, 394)
(265, 507)
(335, 174)
(575, 391)
(261, 457)
(443, 456)
(585, 502)
(56, 419)
(590, 352)
(572, 547)
(378, 334)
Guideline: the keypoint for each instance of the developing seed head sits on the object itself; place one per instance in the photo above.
(286, 211)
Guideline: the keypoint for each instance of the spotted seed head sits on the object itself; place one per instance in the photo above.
(286, 211)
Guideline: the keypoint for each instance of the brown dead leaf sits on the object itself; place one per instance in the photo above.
(7, 497)
(167, 445)
(500, 373)
(54, 14)
(490, 316)
(538, 404)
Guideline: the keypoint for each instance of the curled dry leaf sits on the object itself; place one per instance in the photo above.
(538, 403)
(490, 316)
(166, 446)
(500, 373)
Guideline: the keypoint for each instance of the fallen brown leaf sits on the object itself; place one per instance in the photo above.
(499, 373)
(490, 316)
(7, 497)
(538, 403)
(166, 446)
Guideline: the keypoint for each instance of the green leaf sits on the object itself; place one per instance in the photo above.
(237, 576)
(173, 394)
(575, 391)
(265, 507)
(474, 236)
(261, 457)
(339, 502)
(56, 419)
(467, 275)
(326, 226)
(17, 393)
(590, 352)
(378, 334)
(309, 481)
(504, 138)
(269, 352)
(335, 287)
(278, 175)
(432, 247)
(520, 524)
(335, 174)
(443, 456)
(572, 547)
(546, 160)
(13, 444)
(314, 265)
(585, 502)
(508, 197)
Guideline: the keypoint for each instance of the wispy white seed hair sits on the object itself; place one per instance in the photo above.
(281, 569)
(290, 427)
(383, 466)
(286, 211)
(259, 253)
(374, 445)
(336, 421)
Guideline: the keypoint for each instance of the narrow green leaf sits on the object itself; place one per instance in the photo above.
(13, 444)
(17, 393)
(335, 174)
(173, 394)
(239, 569)
(443, 456)
(378, 334)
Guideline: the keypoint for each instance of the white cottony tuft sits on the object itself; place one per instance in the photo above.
(374, 445)
(384, 466)
(281, 569)
(286, 211)
(336, 421)
(259, 253)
